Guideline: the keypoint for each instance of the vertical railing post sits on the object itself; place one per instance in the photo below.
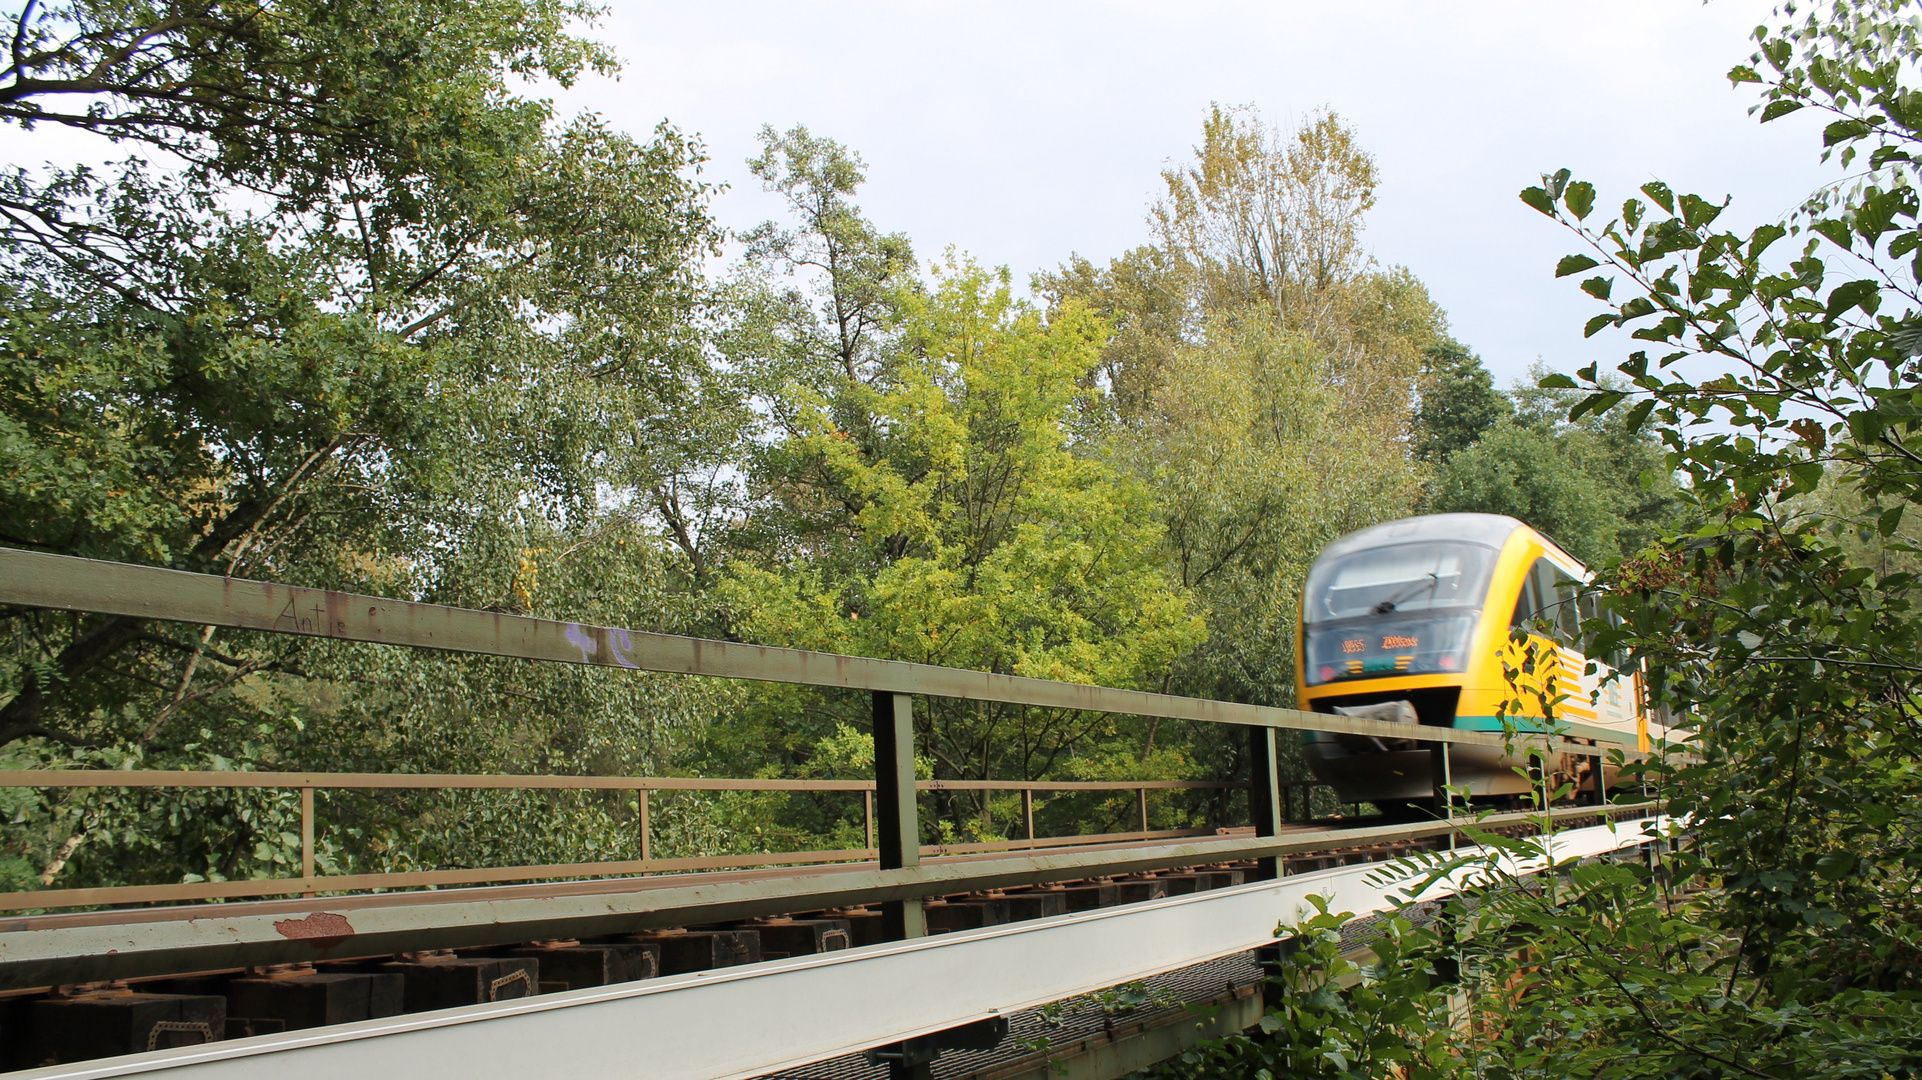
(897, 818)
(1439, 771)
(867, 817)
(1264, 796)
(1141, 805)
(307, 837)
(1548, 778)
(647, 840)
(1027, 812)
(1601, 780)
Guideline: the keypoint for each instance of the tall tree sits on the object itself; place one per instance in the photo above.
(917, 492)
(1459, 402)
(981, 540)
(357, 315)
(1264, 372)
(1267, 217)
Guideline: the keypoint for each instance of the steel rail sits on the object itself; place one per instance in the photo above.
(37, 951)
(39, 579)
(435, 879)
(664, 1027)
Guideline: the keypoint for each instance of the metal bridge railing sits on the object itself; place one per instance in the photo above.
(122, 590)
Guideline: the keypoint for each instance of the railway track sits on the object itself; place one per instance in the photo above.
(345, 959)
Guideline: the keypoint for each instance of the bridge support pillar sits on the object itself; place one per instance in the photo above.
(897, 819)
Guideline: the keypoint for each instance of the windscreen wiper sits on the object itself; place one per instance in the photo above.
(1388, 605)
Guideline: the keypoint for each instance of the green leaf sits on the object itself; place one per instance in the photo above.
(1599, 287)
(1842, 131)
(1574, 264)
(1698, 212)
(1638, 415)
(1779, 108)
(1837, 232)
(1539, 199)
(1595, 325)
(1636, 308)
(1660, 193)
(1556, 380)
(1864, 293)
(1866, 426)
(1580, 199)
(1741, 74)
(1890, 520)
(1598, 404)
(1761, 238)
(1835, 864)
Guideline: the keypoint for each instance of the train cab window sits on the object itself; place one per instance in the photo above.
(1399, 609)
(1398, 578)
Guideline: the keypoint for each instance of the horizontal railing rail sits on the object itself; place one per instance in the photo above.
(309, 882)
(38, 579)
(168, 778)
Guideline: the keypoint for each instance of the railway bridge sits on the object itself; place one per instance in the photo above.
(1085, 955)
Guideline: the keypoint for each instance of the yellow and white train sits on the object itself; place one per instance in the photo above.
(1411, 621)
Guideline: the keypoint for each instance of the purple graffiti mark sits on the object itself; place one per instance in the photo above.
(579, 639)
(623, 646)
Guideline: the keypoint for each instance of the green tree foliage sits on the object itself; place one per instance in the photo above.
(1459, 402)
(358, 315)
(917, 493)
(1145, 296)
(1597, 485)
(1256, 463)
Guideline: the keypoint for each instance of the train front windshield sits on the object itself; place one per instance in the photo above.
(1404, 609)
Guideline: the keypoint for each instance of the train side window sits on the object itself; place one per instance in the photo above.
(1550, 593)
(1616, 658)
(1528, 603)
(1524, 605)
(1568, 613)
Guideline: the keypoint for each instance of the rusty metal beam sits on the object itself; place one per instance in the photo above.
(37, 579)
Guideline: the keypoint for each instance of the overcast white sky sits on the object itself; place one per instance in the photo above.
(1022, 132)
